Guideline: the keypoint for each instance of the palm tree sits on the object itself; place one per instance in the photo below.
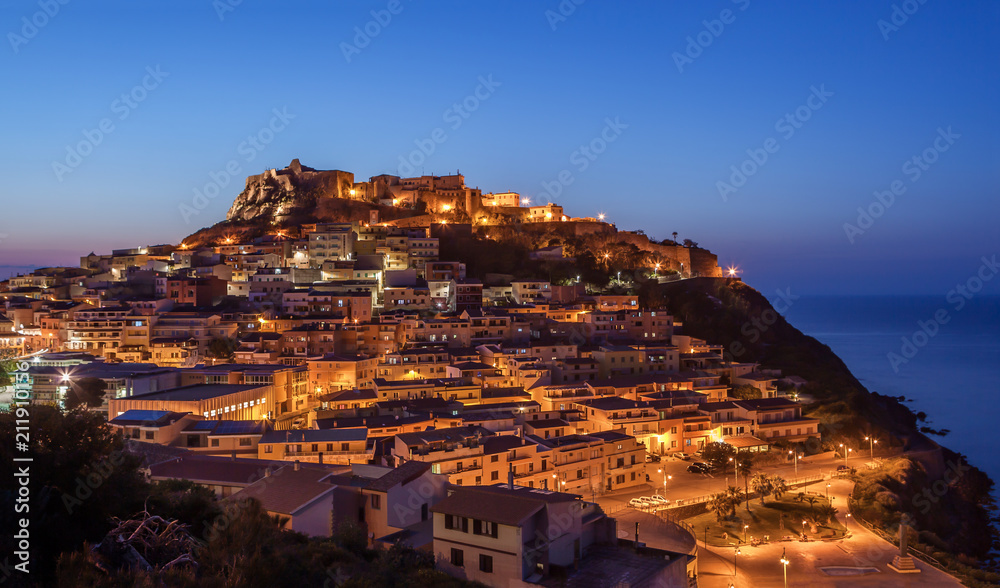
(812, 500)
(720, 504)
(735, 497)
(778, 487)
(826, 512)
(762, 485)
(744, 467)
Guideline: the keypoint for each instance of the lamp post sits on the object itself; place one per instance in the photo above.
(828, 491)
(735, 555)
(871, 446)
(745, 527)
(795, 457)
(784, 566)
(846, 451)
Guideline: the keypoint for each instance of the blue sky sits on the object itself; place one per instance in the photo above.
(557, 76)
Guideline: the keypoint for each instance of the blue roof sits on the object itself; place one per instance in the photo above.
(147, 418)
(240, 428)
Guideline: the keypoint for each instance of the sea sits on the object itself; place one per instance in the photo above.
(942, 354)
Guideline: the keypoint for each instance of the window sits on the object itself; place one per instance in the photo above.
(486, 563)
(345, 446)
(267, 449)
(376, 502)
(494, 458)
(215, 442)
(494, 476)
(457, 558)
(149, 435)
(245, 441)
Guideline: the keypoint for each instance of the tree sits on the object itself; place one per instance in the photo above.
(826, 512)
(721, 504)
(82, 475)
(221, 348)
(675, 237)
(746, 392)
(736, 496)
(778, 487)
(718, 455)
(87, 392)
(762, 485)
(812, 500)
(744, 467)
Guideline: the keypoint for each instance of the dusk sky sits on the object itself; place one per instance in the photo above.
(874, 97)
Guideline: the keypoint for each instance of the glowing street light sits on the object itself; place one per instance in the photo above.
(871, 445)
(735, 554)
(796, 457)
(784, 565)
(525, 201)
(600, 216)
(732, 272)
(445, 207)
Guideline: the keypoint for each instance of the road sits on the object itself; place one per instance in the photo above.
(760, 566)
(685, 486)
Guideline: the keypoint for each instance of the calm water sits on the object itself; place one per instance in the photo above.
(954, 376)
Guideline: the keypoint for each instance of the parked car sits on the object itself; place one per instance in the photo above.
(659, 499)
(636, 503)
(843, 468)
(680, 455)
(696, 469)
(703, 465)
(649, 502)
(652, 457)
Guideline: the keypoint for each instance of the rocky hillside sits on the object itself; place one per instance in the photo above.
(278, 194)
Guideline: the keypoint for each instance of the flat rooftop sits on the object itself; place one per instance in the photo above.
(194, 392)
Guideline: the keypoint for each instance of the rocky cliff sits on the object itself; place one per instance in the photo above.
(279, 193)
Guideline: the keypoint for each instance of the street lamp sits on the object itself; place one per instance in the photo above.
(784, 565)
(871, 446)
(795, 456)
(828, 491)
(745, 527)
(735, 554)
(846, 451)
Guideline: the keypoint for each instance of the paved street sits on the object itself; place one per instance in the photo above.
(685, 486)
(862, 551)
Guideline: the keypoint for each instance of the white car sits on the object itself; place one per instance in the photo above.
(649, 502)
(659, 499)
(637, 503)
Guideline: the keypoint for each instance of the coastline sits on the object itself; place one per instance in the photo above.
(945, 378)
